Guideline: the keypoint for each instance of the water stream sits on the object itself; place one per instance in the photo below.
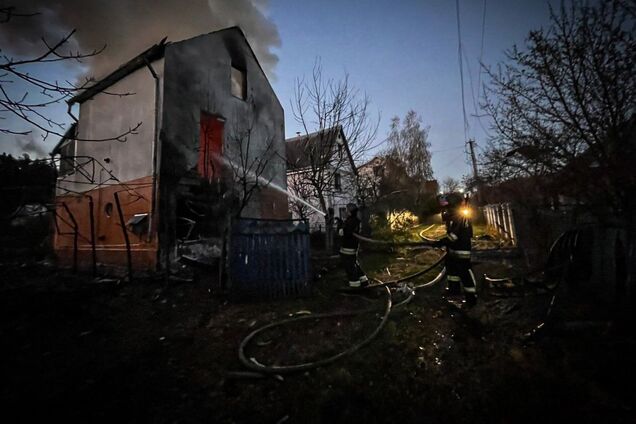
(275, 186)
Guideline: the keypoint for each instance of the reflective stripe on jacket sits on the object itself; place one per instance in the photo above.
(463, 254)
(348, 251)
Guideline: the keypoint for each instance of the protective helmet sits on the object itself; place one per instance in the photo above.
(454, 200)
(352, 207)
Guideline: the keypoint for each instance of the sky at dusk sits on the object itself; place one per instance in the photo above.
(403, 54)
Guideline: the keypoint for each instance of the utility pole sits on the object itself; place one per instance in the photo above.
(471, 144)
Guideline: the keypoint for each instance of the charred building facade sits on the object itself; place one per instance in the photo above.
(168, 147)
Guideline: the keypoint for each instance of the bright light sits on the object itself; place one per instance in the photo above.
(466, 212)
(401, 220)
(461, 190)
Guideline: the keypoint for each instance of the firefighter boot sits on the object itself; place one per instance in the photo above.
(471, 299)
(364, 281)
(454, 287)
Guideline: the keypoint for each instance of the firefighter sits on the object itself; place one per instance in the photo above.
(349, 248)
(446, 217)
(458, 247)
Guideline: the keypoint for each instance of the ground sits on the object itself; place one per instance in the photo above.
(165, 350)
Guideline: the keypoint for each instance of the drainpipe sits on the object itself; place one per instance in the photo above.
(153, 203)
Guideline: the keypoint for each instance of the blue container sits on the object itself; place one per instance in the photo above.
(269, 259)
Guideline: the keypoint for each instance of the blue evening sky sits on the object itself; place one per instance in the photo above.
(403, 54)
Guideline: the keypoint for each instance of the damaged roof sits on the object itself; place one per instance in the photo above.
(153, 53)
(70, 134)
(150, 55)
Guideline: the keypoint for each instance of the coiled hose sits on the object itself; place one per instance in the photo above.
(254, 365)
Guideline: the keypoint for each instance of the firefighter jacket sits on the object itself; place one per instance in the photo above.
(457, 239)
(349, 243)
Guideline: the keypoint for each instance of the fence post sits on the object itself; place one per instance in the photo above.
(126, 239)
(513, 233)
(92, 223)
(75, 235)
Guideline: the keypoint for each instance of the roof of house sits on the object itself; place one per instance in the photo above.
(70, 134)
(143, 59)
(296, 147)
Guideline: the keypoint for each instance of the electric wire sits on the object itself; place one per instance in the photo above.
(461, 69)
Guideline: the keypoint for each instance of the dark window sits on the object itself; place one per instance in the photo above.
(337, 183)
(239, 83)
(67, 157)
(342, 212)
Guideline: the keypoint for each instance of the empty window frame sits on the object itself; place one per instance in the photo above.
(337, 181)
(239, 83)
(67, 157)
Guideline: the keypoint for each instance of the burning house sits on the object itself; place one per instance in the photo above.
(165, 149)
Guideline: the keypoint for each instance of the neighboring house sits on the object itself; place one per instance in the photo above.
(198, 101)
(374, 173)
(320, 161)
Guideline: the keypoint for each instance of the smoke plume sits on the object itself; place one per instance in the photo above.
(29, 145)
(127, 27)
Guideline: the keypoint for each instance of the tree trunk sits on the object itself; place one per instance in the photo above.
(329, 234)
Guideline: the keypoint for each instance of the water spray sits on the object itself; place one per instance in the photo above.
(268, 183)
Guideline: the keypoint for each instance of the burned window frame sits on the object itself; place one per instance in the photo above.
(67, 162)
(242, 83)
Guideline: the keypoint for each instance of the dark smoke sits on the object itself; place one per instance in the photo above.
(29, 145)
(128, 27)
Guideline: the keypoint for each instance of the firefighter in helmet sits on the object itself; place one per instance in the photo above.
(446, 216)
(458, 247)
(349, 248)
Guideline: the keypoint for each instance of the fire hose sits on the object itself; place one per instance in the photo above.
(391, 242)
(254, 365)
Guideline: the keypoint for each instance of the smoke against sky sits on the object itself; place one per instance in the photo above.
(32, 146)
(128, 27)
(402, 54)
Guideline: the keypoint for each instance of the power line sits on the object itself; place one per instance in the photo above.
(461, 69)
(447, 149)
(460, 156)
(481, 53)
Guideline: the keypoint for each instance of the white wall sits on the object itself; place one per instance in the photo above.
(335, 198)
(107, 116)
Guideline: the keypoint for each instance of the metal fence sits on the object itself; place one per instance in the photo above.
(501, 218)
(269, 259)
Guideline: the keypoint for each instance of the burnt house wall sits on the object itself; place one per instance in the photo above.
(198, 79)
(102, 168)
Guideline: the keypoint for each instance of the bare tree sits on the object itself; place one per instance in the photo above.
(31, 105)
(248, 158)
(408, 150)
(450, 185)
(324, 108)
(565, 107)
(408, 143)
(299, 186)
